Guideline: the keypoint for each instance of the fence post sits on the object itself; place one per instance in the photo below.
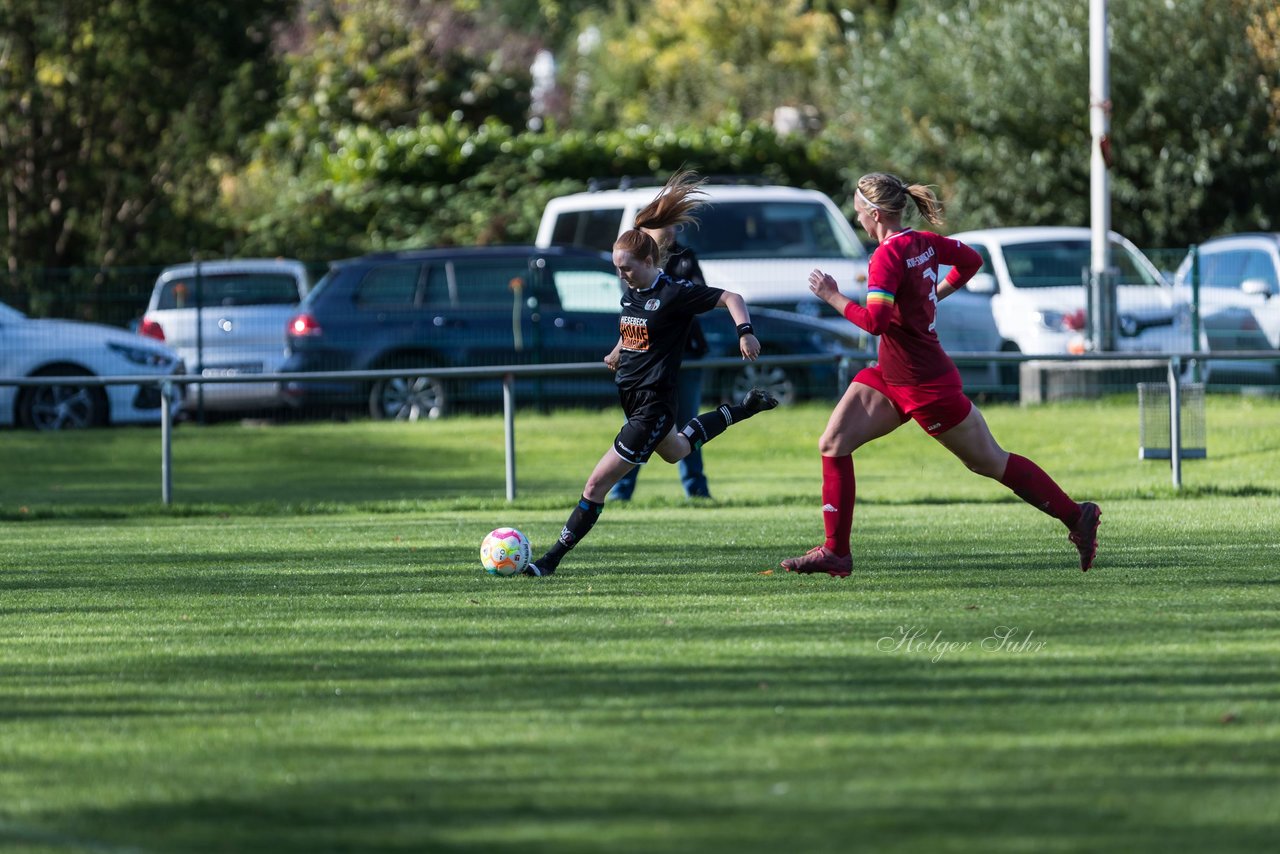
(1195, 308)
(509, 431)
(166, 443)
(1175, 422)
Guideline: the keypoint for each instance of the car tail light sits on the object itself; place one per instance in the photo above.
(1076, 321)
(303, 326)
(151, 329)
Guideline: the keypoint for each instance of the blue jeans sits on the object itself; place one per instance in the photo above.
(688, 405)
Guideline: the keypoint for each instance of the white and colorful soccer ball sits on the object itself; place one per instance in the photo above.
(505, 551)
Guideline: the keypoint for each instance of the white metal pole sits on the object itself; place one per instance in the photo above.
(509, 431)
(166, 443)
(1175, 422)
(1101, 312)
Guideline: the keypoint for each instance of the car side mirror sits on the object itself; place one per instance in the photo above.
(1257, 287)
(982, 283)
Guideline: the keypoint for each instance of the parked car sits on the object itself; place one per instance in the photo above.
(759, 240)
(227, 318)
(66, 348)
(496, 306)
(1239, 296)
(1034, 280)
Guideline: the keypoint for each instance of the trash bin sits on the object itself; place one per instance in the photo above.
(1154, 430)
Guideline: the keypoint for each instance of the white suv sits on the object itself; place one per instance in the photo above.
(760, 241)
(1034, 279)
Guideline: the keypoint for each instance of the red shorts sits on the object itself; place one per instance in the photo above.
(936, 405)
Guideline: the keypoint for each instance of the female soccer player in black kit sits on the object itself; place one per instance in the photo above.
(657, 312)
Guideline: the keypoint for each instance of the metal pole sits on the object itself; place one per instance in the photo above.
(1102, 307)
(1195, 306)
(509, 431)
(1175, 422)
(199, 340)
(166, 443)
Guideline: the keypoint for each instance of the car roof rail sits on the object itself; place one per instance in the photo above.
(631, 182)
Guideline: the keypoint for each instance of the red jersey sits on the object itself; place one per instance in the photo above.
(902, 302)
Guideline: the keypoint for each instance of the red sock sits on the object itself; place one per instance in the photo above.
(837, 502)
(1029, 482)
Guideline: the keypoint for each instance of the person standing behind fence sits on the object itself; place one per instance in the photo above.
(654, 326)
(914, 377)
(681, 265)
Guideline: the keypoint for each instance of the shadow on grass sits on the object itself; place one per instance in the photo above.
(513, 797)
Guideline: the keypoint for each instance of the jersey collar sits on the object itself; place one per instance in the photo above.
(656, 280)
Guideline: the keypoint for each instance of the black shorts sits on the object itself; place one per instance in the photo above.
(650, 417)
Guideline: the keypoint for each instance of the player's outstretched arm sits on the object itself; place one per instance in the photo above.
(748, 343)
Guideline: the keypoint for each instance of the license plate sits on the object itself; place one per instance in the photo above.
(231, 370)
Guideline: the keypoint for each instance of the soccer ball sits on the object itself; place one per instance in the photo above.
(505, 552)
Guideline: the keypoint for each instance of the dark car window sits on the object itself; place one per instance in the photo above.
(768, 230)
(1063, 263)
(985, 253)
(390, 285)
(592, 229)
(230, 289)
(490, 283)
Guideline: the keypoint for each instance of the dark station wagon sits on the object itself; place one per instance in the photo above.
(479, 306)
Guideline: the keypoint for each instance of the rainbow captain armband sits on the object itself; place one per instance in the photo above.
(879, 296)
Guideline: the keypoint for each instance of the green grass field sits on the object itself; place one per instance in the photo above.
(302, 654)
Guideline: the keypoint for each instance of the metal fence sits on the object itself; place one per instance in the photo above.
(1177, 368)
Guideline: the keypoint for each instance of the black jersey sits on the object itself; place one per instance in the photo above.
(655, 325)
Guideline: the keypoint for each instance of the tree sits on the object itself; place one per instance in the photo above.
(702, 60)
(109, 113)
(393, 63)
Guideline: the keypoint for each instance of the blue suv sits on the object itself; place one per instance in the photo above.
(477, 306)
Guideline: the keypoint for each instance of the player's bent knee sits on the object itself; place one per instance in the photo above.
(673, 455)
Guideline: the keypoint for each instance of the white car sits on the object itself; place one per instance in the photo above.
(760, 241)
(228, 318)
(47, 348)
(1035, 279)
(1239, 296)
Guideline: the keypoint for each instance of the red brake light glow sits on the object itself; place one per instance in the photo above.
(303, 325)
(151, 329)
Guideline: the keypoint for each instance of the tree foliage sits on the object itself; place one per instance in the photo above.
(700, 60)
(454, 183)
(110, 111)
(991, 102)
(392, 63)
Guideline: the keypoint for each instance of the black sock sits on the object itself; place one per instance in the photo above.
(581, 520)
(705, 427)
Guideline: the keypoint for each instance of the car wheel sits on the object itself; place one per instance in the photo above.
(73, 407)
(772, 378)
(408, 399)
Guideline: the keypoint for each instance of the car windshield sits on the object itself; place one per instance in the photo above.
(1065, 263)
(229, 289)
(772, 230)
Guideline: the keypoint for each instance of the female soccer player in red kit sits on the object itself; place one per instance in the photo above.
(914, 377)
